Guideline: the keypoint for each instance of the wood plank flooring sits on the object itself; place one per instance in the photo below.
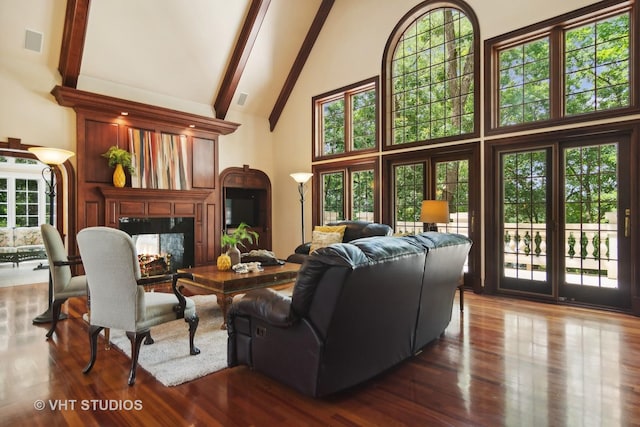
(503, 362)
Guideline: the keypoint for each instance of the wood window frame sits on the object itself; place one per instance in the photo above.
(387, 93)
(345, 93)
(554, 28)
(346, 167)
(471, 151)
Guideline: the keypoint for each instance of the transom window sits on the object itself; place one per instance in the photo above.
(596, 65)
(346, 120)
(524, 83)
(431, 69)
(582, 63)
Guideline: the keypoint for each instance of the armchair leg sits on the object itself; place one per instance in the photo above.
(148, 340)
(55, 315)
(193, 325)
(136, 342)
(93, 345)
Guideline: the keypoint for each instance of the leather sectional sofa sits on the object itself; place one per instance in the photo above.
(357, 309)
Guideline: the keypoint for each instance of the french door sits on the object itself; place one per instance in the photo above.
(437, 174)
(564, 221)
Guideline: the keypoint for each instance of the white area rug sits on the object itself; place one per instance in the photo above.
(168, 359)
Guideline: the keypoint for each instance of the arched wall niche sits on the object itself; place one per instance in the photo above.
(252, 189)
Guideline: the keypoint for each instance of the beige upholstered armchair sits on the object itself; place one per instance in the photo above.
(64, 284)
(118, 298)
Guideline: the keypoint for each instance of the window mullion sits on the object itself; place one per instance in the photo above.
(348, 123)
(557, 74)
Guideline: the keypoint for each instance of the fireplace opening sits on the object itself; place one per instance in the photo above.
(163, 244)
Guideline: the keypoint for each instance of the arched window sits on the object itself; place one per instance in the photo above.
(431, 75)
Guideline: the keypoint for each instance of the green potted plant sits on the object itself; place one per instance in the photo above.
(119, 159)
(239, 236)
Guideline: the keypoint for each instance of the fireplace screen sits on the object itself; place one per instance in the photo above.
(163, 244)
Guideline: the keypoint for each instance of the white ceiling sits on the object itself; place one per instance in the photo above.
(172, 53)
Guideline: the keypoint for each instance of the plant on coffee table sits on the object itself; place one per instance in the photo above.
(239, 236)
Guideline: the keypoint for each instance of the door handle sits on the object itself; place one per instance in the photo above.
(627, 222)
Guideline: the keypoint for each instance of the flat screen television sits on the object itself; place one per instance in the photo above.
(239, 210)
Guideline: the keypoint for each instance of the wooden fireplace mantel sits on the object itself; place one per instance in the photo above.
(143, 202)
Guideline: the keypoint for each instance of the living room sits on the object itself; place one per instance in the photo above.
(300, 58)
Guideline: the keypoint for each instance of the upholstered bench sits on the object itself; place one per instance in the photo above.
(21, 244)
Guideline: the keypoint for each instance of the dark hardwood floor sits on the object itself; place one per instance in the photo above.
(503, 362)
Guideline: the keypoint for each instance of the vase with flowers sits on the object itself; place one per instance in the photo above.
(239, 236)
(120, 159)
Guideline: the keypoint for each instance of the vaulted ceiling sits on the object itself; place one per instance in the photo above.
(226, 55)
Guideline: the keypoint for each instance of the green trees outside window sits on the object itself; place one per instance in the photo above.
(524, 83)
(597, 66)
(594, 71)
(432, 78)
(346, 120)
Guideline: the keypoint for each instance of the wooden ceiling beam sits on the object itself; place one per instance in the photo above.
(240, 56)
(298, 65)
(75, 30)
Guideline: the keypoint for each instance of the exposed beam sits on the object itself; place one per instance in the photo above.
(303, 54)
(240, 56)
(75, 30)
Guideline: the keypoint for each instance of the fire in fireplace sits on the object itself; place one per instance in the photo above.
(163, 244)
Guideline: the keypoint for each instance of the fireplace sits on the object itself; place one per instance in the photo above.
(163, 244)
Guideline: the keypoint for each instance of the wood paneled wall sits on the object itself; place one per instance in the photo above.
(101, 124)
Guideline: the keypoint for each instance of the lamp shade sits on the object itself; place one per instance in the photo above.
(301, 177)
(51, 156)
(434, 211)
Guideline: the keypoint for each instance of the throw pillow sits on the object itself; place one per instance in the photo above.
(320, 239)
(331, 229)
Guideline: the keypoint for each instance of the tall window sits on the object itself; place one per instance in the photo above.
(347, 191)
(431, 69)
(333, 189)
(346, 120)
(409, 194)
(27, 203)
(581, 63)
(23, 200)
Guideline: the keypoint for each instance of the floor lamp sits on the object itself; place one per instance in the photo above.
(51, 157)
(433, 212)
(301, 178)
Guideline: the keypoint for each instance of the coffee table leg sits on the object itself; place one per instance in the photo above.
(224, 302)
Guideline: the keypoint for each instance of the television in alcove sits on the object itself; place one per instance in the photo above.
(241, 206)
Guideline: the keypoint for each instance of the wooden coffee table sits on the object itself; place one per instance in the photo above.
(226, 284)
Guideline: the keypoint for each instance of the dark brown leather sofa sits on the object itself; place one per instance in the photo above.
(357, 309)
(354, 230)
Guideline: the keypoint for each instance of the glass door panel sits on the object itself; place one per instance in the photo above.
(409, 194)
(525, 196)
(452, 185)
(591, 239)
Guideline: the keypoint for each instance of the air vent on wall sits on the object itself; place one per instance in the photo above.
(33, 41)
(242, 98)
